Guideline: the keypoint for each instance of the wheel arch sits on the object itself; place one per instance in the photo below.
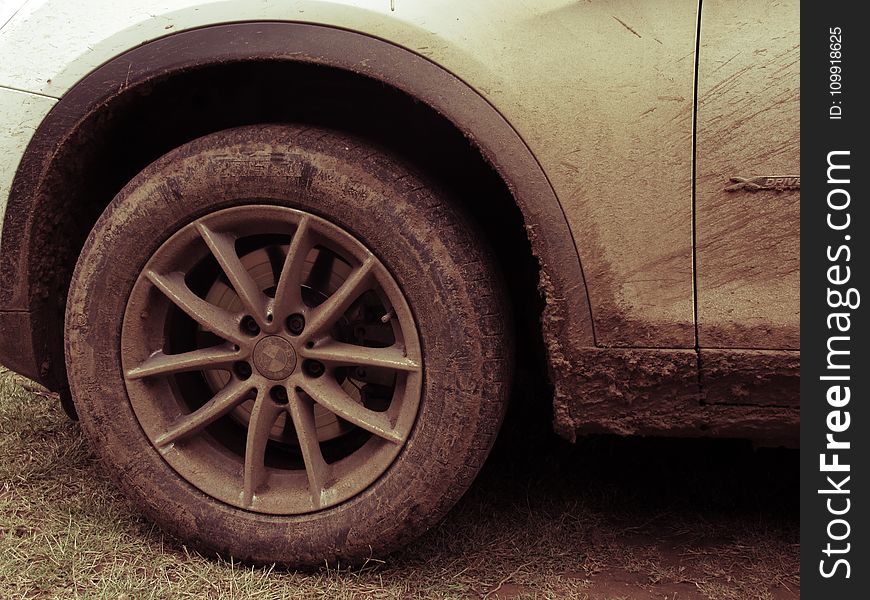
(62, 185)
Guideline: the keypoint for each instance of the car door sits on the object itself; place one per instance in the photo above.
(748, 193)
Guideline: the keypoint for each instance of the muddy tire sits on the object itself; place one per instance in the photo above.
(288, 347)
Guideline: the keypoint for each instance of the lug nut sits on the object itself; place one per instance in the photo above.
(313, 368)
(296, 323)
(249, 326)
(242, 370)
(279, 394)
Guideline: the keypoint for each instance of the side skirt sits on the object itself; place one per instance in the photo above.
(715, 393)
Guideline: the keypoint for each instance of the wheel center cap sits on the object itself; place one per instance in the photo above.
(275, 358)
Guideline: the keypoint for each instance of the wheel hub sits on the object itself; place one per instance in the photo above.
(275, 358)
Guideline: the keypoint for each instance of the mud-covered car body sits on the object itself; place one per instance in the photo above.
(652, 152)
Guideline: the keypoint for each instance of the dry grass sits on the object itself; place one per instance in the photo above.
(605, 519)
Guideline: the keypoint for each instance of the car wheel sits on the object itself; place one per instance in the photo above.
(286, 346)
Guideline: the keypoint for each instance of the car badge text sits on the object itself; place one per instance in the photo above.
(778, 183)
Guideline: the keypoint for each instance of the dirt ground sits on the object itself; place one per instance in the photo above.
(606, 518)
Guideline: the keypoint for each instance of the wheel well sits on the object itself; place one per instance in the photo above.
(127, 133)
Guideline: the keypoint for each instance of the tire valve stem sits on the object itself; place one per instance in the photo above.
(388, 317)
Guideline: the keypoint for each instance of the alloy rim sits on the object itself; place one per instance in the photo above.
(271, 359)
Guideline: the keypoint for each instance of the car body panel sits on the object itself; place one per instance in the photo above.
(595, 104)
(45, 203)
(748, 254)
(21, 114)
(8, 8)
(612, 130)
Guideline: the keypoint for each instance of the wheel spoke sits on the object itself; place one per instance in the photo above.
(340, 354)
(223, 247)
(263, 417)
(213, 319)
(288, 293)
(223, 402)
(217, 357)
(330, 395)
(325, 316)
(302, 411)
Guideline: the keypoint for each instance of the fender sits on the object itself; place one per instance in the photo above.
(567, 318)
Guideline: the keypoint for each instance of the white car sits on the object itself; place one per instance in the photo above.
(283, 257)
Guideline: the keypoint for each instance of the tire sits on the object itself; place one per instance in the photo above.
(215, 467)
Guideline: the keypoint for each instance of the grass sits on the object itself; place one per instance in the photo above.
(604, 519)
